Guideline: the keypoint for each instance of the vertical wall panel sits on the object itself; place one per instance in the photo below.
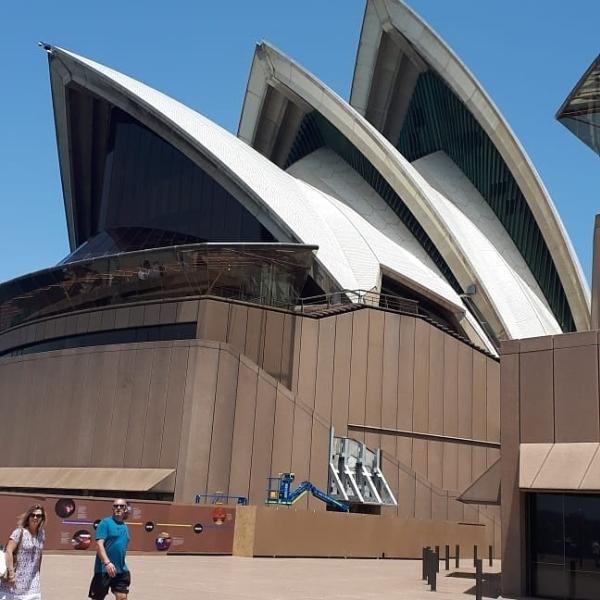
(222, 428)
(171, 433)
(374, 375)
(213, 317)
(187, 311)
(423, 499)
(94, 322)
(60, 382)
(157, 406)
(389, 381)
(152, 314)
(136, 419)
(421, 404)
(324, 379)
(76, 404)
(319, 461)
(450, 475)
(271, 360)
(40, 389)
(435, 454)
(479, 412)
(287, 349)
(465, 413)
(341, 373)
(236, 332)
(107, 319)
(243, 429)
(110, 394)
(14, 412)
(307, 369)
(576, 394)
(192, 469)
(390, 470)
(168, 312)
(136, 316)
(262, 443)
(406, 388)
(406, 492)
(281, 460)
(493, 407)
(254, 332)
(358, 370)
(117, 428)
(301, 447)
(83, 320)
(122, 317)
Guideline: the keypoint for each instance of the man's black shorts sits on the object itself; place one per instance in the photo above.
(102, 582)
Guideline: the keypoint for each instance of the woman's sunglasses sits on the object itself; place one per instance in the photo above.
(36, 516)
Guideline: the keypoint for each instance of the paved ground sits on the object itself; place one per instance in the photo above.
(229, 578)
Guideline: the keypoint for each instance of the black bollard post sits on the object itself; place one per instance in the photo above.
(457, 556)
(447, 565)
(424, 563)
(434, 566)
(474, 556)
(478, 579)
(437, 564)
(491, 556)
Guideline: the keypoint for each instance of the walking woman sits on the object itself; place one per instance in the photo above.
(24, 557)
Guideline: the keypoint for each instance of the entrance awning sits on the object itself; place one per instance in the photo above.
(485, 489)
(81, 478)
(567, 466)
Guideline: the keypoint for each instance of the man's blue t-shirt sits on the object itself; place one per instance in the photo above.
(116, 538)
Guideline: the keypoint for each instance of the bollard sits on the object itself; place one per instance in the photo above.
(478, 579)
(474, 556)
(447, 565)
(457, 556)
(424, 563)
(437, 564)
(491, 556)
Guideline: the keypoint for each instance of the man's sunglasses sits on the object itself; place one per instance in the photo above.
(122, 506)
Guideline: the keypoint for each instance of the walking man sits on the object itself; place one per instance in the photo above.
(110, 570)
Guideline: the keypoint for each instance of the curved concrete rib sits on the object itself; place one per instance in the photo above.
(395, 17)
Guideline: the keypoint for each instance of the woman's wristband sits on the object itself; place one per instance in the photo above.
(107, 563)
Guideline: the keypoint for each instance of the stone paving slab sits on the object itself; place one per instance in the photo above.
(67, 577)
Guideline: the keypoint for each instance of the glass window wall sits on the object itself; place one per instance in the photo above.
(564, 546)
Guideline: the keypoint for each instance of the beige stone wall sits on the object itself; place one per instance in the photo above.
(549, 391)
(257, 395)
(280, 532)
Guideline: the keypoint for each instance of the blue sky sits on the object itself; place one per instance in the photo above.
(527, 57)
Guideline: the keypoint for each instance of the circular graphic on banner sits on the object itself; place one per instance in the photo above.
(64, 507)
(163, 542)
(149, 526)
(96, 523)
(198, 528)
(81, 540)
(219, 515)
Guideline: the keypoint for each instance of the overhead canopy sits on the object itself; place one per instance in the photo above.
(485, 489)
(574, 466)
(80, 478)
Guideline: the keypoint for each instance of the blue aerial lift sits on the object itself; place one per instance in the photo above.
(280, 492)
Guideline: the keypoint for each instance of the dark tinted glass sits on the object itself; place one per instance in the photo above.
(149, 184)
(564, 545)
(272, 274)
(152, 333)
